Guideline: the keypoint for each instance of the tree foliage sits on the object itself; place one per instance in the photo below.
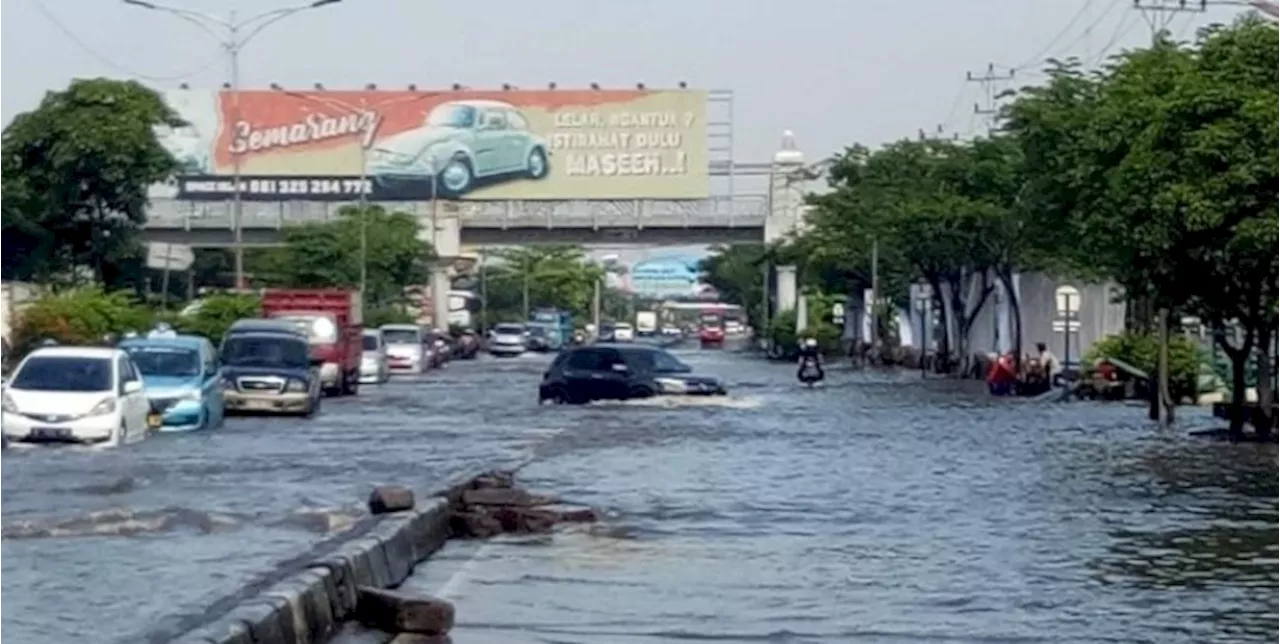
(82, 316)
(559, 277)
(328, 255)
(75, 176)
(213, 315)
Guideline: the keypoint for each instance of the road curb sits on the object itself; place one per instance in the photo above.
(310, 606)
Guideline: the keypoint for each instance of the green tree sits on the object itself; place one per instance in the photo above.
(736, 272)
(75, 176)
(544, 276)
(1160, 172)
(213, 315)
(908, 199)
(328, 255)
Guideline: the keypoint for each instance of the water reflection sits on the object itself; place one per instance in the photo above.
(883, 509)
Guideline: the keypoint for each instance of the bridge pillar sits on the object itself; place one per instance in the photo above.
(442, 228)
(786, 289)
(786, 206)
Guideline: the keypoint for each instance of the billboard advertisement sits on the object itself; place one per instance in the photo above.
(391, 145)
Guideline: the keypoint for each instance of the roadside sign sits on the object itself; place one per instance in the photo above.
(1061, 325)
(172, 257)
(1068, 300)
(837, 313)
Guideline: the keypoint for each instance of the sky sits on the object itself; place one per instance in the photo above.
(836, 72)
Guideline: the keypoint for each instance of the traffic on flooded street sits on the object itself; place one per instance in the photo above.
(879, 507)
(827, 324)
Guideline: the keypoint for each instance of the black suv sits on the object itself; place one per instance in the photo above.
(620, 372)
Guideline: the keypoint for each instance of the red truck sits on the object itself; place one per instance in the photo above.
(332, 320)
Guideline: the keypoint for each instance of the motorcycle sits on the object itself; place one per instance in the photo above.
(810, 372)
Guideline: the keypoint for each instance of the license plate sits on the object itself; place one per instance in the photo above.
(154, 420)
(50, 432)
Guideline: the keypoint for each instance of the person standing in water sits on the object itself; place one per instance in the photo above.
(1048, 361)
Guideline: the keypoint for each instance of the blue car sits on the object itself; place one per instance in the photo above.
(182, 380)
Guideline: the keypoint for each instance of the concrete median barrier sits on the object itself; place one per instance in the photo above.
(310, 606)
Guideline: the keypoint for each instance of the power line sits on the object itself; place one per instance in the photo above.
(1122, 30)
(106, 60)
(1084, 34)
(1038, 57)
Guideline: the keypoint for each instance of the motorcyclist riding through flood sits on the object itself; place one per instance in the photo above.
(810, 362)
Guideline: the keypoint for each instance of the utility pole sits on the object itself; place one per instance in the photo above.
(875, 292)
(1159, 14)
(233, 34)
(992, 85)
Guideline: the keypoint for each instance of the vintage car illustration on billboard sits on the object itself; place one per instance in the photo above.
(459, 143)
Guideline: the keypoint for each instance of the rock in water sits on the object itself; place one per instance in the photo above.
(505, 496)
(418, 638)
(397, 612)
(477, 525)
(494, 479)
(390, 498)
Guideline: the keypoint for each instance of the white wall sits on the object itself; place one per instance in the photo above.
(992, 329)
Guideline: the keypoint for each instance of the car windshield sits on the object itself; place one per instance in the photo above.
(508, 329)
(401, 336)
(250, 351)
(63, 373)
(165, 361)
(660, 362)
(370, 343)
(452, 115)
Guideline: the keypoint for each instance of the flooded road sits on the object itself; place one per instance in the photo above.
(101, 545)
(878, 509)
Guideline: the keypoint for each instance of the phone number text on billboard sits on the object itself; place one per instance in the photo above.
(287, 188)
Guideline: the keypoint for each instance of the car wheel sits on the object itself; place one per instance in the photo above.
(639, 391)
(456, 178)
(536, 166)
(122, 434)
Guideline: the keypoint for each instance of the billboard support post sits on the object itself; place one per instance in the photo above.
(232, 42)
(363, 197)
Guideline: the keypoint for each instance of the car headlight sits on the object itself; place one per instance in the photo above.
(190, 395)
(228, 384)
(107, 406)
(296, 386)
(672, 385)
(9, 405)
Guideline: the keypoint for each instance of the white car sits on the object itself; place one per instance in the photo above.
(623, 332)
(76, 395)
(403, 343)
(507, 340)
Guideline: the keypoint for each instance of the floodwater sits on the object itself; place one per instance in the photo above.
(110, 545)
(879, 509)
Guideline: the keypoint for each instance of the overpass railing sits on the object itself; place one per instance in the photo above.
(738, 211)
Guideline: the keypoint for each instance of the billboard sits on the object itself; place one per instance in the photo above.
(391, 145)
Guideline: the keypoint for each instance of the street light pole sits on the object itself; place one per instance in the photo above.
(232, 42)
(363, 199)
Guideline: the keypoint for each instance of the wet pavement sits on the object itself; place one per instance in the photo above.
(879, 509)
(875, 509)
(100, 545)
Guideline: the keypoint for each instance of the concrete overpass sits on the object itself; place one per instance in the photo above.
(720, 219)
(728, 216)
